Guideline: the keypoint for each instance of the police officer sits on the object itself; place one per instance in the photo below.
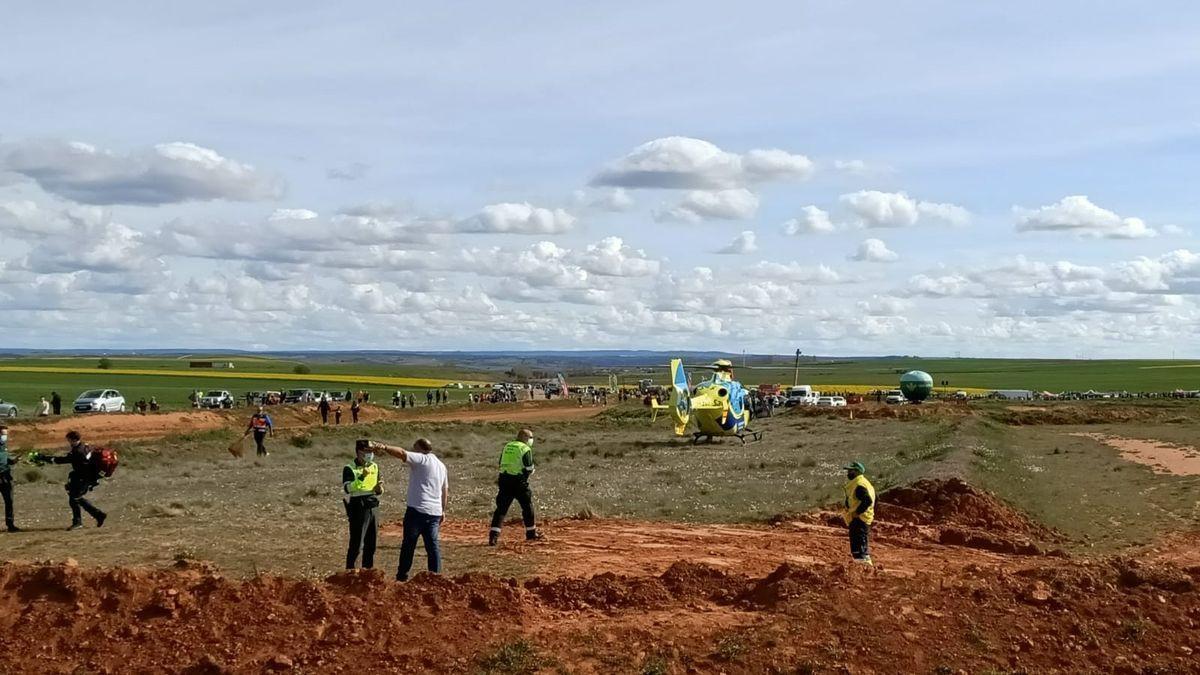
(84, 477)
(6, 483)
(261, 425)
(859, 511)
(516, 465)
(361, 488)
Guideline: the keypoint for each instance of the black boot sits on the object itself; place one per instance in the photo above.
(532, 535)
(75, 526)
(493, 538)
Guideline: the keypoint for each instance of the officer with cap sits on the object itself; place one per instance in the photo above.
(516, 465)
(859, 511)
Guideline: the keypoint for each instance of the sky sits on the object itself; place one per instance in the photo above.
(932, 178)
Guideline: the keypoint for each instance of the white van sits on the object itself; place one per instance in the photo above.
(802, 395)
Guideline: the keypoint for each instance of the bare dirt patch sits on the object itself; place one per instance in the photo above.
(112, 427)
(1165, 458)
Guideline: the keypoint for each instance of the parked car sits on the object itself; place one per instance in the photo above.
(8, 409)
(216, 399)
(894, 399)
(298, 396)
(831, 402)
(100, 400)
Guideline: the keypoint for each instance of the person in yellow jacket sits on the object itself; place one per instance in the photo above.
(516, 465)
(361, 489)
(859, 511)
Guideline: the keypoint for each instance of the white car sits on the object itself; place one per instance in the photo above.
(216, 399)
(8, 409)
(100, 400)
(894, 399)
(831, 402)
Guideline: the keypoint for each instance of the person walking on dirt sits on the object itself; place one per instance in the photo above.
(412, 401)
(6, 482)
(859, 511)
(83, 478)
(516, 465)
(260, 425)
(56, 402)
(323, 407)
(361, 488)
(428, 492)
(354, 410)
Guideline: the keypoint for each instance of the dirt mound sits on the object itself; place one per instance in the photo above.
(964, 516)
(1073, 413)
(691, 618)
(876, 411)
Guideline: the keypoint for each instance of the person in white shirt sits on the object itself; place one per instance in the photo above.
(428, 490)
(43, 408)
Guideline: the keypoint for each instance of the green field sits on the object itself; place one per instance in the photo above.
(171, 391)
(1036, 374)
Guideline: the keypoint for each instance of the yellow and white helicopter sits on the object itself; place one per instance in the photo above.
(717, 404)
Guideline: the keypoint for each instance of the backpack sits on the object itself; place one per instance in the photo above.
(106, 461)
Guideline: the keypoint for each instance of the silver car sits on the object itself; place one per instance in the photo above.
(100, 400)
(8, 409)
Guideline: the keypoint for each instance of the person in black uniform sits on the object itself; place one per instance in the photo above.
(84, 477)
(6, 483)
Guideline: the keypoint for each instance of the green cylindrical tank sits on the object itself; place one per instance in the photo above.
(916, 385)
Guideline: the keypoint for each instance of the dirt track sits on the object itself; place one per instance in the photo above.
(630, 596)
(49, 432)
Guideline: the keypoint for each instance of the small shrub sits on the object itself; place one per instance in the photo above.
(301, 369)
(655, 665)
(104, 364)
(730, 647)
(33, 475)
(301, 441)
(586, 512)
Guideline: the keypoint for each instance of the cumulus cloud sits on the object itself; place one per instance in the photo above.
(679, 162)
(874, 250)
(897, 209)
(1077, 214)
(513, 218)
(616, 200)
(742, 244)
(614, 258)
(819, 274)
(811, 220)
(699, 205)
(165, 174)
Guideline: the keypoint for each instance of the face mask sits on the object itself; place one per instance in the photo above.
(529, 442)
(3, 438)
(368, 457)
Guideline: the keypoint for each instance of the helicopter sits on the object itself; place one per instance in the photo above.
(717, 403)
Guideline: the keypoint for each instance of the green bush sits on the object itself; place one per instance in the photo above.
(301, 369)
(105, 363)
(301, 441)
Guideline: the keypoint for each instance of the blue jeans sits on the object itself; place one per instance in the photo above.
(419, 525)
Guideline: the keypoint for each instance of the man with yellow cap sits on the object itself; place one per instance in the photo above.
(859, 511)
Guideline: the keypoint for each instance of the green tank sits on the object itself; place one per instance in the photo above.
(916, 385)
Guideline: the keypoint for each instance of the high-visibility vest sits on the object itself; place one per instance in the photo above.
(852, 500)
(512, 459)
(365, 479)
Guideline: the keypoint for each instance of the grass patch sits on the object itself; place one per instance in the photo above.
(513, 658)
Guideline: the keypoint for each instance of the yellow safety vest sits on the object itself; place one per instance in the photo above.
(365, 479)
(852, 501)
(512, 458)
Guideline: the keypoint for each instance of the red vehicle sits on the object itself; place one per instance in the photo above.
(769, 389)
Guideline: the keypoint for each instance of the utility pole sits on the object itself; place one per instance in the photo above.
(796, 379)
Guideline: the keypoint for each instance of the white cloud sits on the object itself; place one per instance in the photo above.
(811, 220)
(616, 200)
(612, 257)
(897, 209)
(513, 218)
(874, 250)
(1077, 214)
(292, 214)
(350, 171)
(699, 205)
(819, 274)
(679, 162)
(742, 244)
(167, 173)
